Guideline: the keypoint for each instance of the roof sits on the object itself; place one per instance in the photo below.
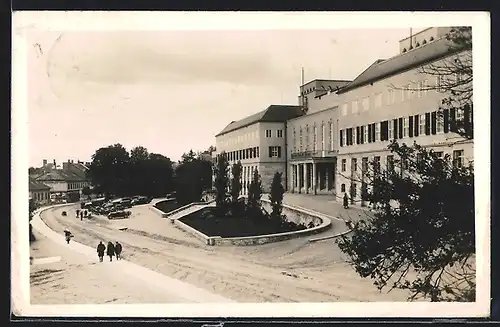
(273, 113)
(37, 186)
(61, 175)
(381, 69)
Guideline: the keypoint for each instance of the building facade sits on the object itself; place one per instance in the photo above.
(345, 125)
(258, 142)
(39, 192)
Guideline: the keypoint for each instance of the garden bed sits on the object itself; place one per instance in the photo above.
(168, 205)
(206, 222)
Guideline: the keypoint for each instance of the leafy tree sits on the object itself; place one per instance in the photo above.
(86, 191)
(420, 235)
(276, 196)
(236, 182)
(108, 169)
(255, 194)
(193, 176)
(222, 183)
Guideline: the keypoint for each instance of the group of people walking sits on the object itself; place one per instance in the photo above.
(111, 250)
(82, 214)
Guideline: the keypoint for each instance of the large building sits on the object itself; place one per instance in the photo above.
(258, 142)
(346, 124)
(39, 192)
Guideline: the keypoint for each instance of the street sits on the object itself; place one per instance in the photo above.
(289, 271)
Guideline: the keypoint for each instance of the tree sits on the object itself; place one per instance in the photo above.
(193, 176)
(236, 182)
(86, 191)
(276, 196)
(254, 195)
(221, 183)
(109, 169)
(420, 235)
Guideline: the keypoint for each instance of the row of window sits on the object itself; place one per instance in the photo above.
(457, 160)
(304, 141)
(406, 92)
(430, 123)
(269, 133)
(251, 153)
(38, 196)
(76, 186)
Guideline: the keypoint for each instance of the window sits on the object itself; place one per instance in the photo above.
(323, 136)
(376, 164)
(390, 130)
(353, 190)
(421, 125)
(274, 152)
(331, 136)
(307, 138)
(315, 143)
(459, 116)
(439, 154)
(365, 134)
(377, 132)
(390, 162)
(294, 140)
(354, 135)
(439, 124)
(406, 127)
(458, 158)
(342, 138)
(354, 164)
(279, 133)
(378, 100)
(422, 88)
(439, 83)
(391, 96)
(342, 188)
(409, 92)
(364, 165)
(300, 139)
(268, 133)
(344, 161)
(344, 109)
(354, 106)
(366, 103)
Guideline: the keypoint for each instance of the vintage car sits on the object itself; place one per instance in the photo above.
(119, 214)
(64, 213)
(140, 200)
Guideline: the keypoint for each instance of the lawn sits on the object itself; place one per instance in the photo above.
(209, 224)
(168, 205)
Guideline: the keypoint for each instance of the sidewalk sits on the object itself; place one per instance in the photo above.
(79, 278)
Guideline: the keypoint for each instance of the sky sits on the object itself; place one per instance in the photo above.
(172, 91)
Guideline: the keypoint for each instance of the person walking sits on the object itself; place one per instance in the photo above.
(68, 236)
(110, 251)
(77, 213)
(346, 201)
(100, 251)
(118, 250)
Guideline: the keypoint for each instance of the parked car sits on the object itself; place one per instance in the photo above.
(140, 200)
(64, 213)
(119, 214)
(126, 202)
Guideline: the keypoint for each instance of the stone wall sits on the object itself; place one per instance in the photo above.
(294, 215)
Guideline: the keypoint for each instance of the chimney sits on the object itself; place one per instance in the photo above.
(55, 163)
(44, 162)
(66, 165)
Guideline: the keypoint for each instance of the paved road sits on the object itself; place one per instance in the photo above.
(289, 271)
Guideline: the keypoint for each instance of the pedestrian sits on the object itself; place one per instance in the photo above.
(100, 251)
(346, 201)
(110, 251)
(68, 236)
(77, 213)
(118, 250)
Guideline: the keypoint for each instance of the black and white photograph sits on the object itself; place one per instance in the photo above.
(251, 164)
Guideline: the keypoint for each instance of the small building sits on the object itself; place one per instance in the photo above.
(39, 192)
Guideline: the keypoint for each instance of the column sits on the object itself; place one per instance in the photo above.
(297, 177)
(327, 177)
(314, 178)
(306, 178)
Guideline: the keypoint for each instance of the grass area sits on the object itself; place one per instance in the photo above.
(209, 224)
(168, 205)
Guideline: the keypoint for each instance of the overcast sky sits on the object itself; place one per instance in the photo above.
(173, 91)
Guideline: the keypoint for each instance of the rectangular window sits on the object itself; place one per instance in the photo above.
(391, 96)
(315, 143)
(364, 165)
(354, 106)
(358, 135)
(406, 127)
(362, 136)
(300, 139)
(377, 132)
(458, 158)
(422, 125)
(279, 133)
(323, 136)
(365, 133)
(268, 133)
(433, 122)
(344, 164)
(439, 154)
(354, 135)
(439, 124)
(378, 100)
(331, 136)
(366, 103)
(354, 164)
(390, 130)
(353, 190)
(341, 137)
(274, 152)
(294, 140)
(376, 164)
(390, 162)
(344, 109)
(384, 130)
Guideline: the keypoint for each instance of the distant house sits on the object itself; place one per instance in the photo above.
(39, 191)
